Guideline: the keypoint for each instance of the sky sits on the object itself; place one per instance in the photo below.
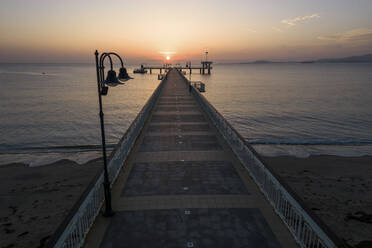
(143, 30)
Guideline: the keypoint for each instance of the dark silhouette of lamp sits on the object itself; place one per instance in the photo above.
(111, 80)
(104, 90)
(123, 74)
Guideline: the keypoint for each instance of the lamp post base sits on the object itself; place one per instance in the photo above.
(108, 212)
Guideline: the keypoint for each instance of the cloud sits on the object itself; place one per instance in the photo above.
(277, 29)
(355, 35)
(293, 22)
(251, 30)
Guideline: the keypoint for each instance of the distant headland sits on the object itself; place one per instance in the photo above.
(367, 58)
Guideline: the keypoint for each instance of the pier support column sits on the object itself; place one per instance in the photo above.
(150, 71)
(160, 70)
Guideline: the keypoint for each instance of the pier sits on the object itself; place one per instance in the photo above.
(182, 176)
(205, 68)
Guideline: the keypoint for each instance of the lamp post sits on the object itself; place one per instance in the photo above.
(102, 84)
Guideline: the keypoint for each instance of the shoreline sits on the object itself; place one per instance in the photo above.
(35, 159)
(36, 199)
(47, 158)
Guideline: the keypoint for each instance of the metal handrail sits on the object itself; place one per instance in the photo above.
(73, 230)
(306, 228)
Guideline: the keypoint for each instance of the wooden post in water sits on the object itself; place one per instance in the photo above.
(206, 65)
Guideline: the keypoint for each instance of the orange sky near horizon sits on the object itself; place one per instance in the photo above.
(237, 30)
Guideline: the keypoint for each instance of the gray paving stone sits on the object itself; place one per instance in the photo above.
(175, 108)
(176, 99)
(185, 178)
(180, 143)
(182, 128)
(214, 228)
(167, 93)
(178, 104)
(176, 117)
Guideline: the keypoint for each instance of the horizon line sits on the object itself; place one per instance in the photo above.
(230, 61)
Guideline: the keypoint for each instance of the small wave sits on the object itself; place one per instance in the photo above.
(50, 149)
(313, 142)
(95, 147)
(39, 159)
(41, 73)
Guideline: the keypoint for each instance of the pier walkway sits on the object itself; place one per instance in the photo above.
(182, 176)
(183, 187)
(204, 69)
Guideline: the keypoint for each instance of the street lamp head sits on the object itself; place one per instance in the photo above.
(111, 79)
(104, 90)
(123, 74)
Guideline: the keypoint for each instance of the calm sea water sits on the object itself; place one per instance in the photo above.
(282, 109)
(297, 109)
(46, 117)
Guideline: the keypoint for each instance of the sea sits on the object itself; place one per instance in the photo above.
(49, 112)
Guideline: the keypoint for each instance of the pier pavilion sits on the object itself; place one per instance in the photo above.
(205, 68)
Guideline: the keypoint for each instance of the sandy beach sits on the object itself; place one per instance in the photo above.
(337, 189)
(34, 200)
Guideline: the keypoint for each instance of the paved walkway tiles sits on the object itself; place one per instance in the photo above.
(183, 187)
(184, 178)
(217, 228)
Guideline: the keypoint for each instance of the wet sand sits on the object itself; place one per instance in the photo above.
(337, 189)
(34, 200)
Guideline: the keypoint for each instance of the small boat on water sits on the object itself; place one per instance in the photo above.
(141, 70)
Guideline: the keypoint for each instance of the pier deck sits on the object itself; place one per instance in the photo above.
(183, 187)
(204, 69)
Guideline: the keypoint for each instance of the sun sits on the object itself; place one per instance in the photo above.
(168, 57)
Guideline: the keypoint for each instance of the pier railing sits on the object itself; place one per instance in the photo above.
(73, 230)
(307, 229)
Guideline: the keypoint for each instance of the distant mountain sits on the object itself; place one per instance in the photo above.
(262, 62)
(367, 58)
(354, 59)
(257, 62)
